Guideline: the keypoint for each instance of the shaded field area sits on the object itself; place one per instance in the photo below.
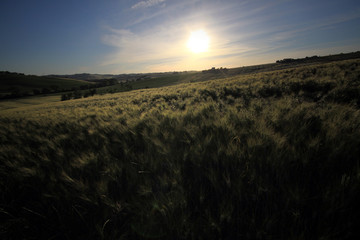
(14, 85)
(28, 101)
(270, 155)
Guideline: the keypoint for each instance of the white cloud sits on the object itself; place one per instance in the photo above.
(146, 4)
(133, 49)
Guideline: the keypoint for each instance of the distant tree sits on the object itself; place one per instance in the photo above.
(55, 88)
(77, 94)
(45, 90)
(93, 92)
(87, 94)
(286, 60)
(64, 97)
(36, 91)
(15, 92)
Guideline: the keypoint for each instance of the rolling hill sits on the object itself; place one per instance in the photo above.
(18, 84)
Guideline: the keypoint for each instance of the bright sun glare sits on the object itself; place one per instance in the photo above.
(198, 41)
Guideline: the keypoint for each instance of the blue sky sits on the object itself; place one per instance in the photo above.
(118, 36)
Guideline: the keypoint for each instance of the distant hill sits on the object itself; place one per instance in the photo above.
(119, 77)
(85, 76)
(140, 80)
(322, 59)
(291, 62)
(158, 80)
(18, 84)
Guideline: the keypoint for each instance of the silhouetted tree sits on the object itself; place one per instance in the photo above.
(45, 90)
(77, 94)
(93, 92)
(36, 91)
(55, 88)
(64, 97)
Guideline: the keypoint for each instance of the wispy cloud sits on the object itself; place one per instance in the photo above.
(164, 49)
(146, 4)
(163, 46)
(133, 49)
(240, 34)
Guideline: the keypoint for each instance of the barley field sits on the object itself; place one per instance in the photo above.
(272, 155)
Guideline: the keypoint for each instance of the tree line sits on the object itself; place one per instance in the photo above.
(123, 87)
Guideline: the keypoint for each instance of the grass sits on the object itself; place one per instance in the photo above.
(270, 155)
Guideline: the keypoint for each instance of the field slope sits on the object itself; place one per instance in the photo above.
(11, 83)
(270, 155)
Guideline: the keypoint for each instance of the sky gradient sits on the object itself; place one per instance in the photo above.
(117, 36)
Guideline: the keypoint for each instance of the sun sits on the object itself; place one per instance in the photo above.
(198, 41)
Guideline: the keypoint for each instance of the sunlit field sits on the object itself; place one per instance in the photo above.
(270, 155)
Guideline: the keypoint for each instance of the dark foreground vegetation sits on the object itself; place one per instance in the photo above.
(265, 156)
